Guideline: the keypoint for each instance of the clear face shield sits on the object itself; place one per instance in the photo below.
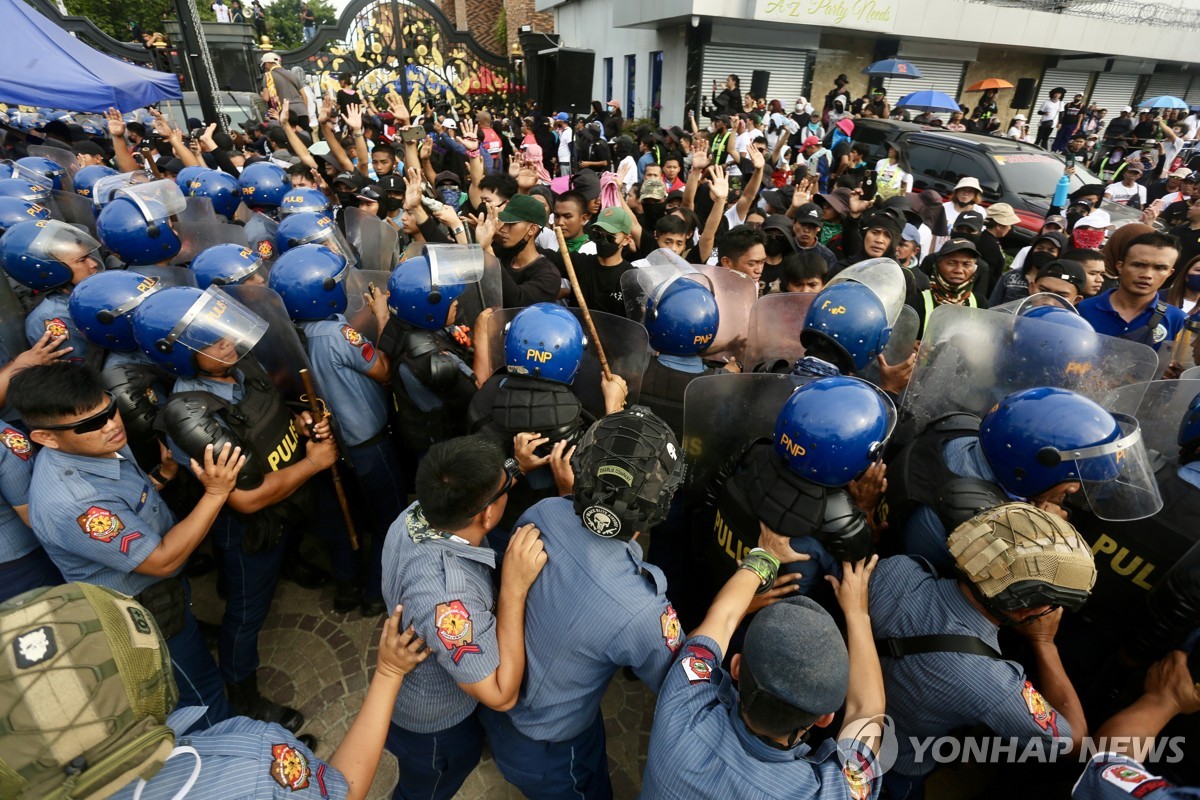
(156, 200)
(1117, 477)
(884, 277)
(219, 327)
(328, 234)
(106, 188)
(67, 245)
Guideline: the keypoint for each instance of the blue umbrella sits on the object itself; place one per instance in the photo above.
(1163, 101)
(928, 100)
(894, 67)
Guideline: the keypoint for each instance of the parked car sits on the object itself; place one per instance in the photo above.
(1009, 171)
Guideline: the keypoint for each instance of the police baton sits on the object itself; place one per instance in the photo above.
(1183, 342)
(316, 407)
(587, 317)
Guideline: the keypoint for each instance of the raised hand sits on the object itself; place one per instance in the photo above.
(399, 651)
(219, 473)
(116, 123)
(718, 184)
(353, 117)
(468, 135)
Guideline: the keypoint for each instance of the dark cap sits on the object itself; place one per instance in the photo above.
(58, 128)
(808, 214)
(902, 204)
(355, 180)
(972, 220)
(780, 224)
(390, 183)
(796, 654)
(447, 177)
(1059, 239)
(838, 200)
(778, 198)
(1065, 270)
(884, 221)
(1088, 190)
(957, 245)
(587, 183)
(675, 195)
(88, 148)
(371, 193)
(171, 165)
(523, 208)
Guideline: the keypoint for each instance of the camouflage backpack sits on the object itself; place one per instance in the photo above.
(85, 689)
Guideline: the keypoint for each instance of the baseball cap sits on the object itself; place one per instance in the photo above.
(390, 183)
(613, 219)
(653, 189)
(371, 193)
(90, 148)
(808, 214)
(675, 195)
(1056, 219)
(1019, 116)
(449, 122)
(1182, 172)
(586, 183)
(1065, 270)
(447, 177)
(957, 246)
(794, 653)
(969, 219)
(1003, 214)
(910, 233)
(778, 198)
(968, 182)
(1126, 109)
(1096, 219)
(523, 208)
(269, 58)
(562, 116)
(171, 165)
(1134, 167)
(356, 180)
(809, 141)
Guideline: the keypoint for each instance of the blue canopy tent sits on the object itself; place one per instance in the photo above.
(43, 65)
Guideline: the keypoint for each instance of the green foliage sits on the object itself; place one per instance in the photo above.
(115, 18)
(502, 29)
(283, 21)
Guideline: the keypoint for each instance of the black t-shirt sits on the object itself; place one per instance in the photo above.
(1189, 244)
(536, 282)
(1175, 214)
(601, 286)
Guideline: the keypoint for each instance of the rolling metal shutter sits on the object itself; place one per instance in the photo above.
(1192, 98)
(1113, 91)
(1073, 81)
(1174, 84)
(788, 68)
(939, 76)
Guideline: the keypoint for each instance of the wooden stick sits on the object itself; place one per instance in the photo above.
(587, 317)
(314, 406)
(1183, 343)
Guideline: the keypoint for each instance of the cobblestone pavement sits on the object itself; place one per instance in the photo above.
(319, 662)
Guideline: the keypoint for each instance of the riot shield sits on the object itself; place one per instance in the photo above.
(228, 233)
(651, 280)
(900, 344)
(168, 276)
(377, 243)
(64, 158)
(722, 413)
(1192, 374)
(774, 329)
(1159, 407)
(971, 358)
(260, 233)
(735, 295)
(626, 346)
(463, 263)
(12, 320)
(197, 227)
(76, 210)
(279, 350)
(884, 277)
(358, 313)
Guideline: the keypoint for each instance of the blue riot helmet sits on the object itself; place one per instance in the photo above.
(829, 431)
(24, 190)
(1063, 316)
(14, 210)
(136, 223)
(173, 325)
(85, 179)
(1189, 427)
(225, 264)
(185, 176)
(102, 307)
(1036, 439)
(51, 172)
(311, 279)
(308, 227)
(413, 297)
(304, 199)
(681, 317)
(264, 185)
(219, 187)
(1047, 354)
(545, 341)
(847, 326)
(48, 253)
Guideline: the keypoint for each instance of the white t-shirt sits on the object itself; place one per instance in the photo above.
(1050, 109)
(222, 12)
(631, 176)
(952, 213)
(564, 146)
(1121, 194)
(1170, 151)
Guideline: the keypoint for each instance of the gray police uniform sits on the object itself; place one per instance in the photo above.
(445, 584)
(930, 694)
(239, 759)
(1109, 776)
(54, 315)
(341, 358)
(596, 606)
(701, 747)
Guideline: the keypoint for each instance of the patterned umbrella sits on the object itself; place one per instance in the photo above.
(893, 67)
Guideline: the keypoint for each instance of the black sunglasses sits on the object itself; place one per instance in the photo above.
(511, 472)
(601, 235)
(88, 424)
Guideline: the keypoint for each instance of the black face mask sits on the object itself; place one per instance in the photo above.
(606, 249)
(507, 253)
(346, 199)
(777, 246)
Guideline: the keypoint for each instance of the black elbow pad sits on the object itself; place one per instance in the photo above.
(191, 421)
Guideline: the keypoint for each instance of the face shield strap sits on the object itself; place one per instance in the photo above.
(435, 294)
(332, 281)
(108, 315)
(245, 272)
(1050, 457)
(151, 226)
(167, 343)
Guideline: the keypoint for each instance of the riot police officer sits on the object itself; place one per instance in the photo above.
(52, 257)
(24, 564)
(302, 199)
(1017, 566)
(309, 227)
(14, 210)
(101, 518)
(223, 394)
(263, 186)
(86, 178)
(137, 225)
(595, 607)
(351, 374)
(219, 187)
(227, 265)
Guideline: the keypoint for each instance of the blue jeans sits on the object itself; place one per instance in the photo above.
(251, 579)
(433, 766)
(575, 769)
(30, 571)
(196, 673)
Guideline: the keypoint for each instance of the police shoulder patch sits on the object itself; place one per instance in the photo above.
(100, 524)
(17, 443)
(358, 340)
(671, 631)
(289, 767)
(698, 664)
(1042, 712)
(1132, 780)
(56, 327)
(1160, 333)
(455, 629)
(856, 779)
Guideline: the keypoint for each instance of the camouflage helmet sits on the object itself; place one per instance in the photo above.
(1017, 556)
(85, 689)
